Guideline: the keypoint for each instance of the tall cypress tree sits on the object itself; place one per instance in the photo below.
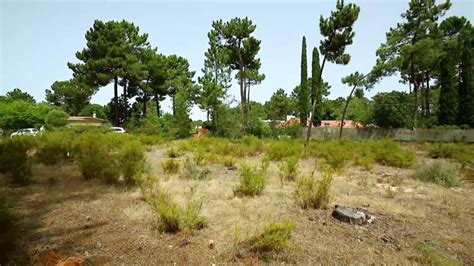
(448, 99)
(316, 88)
(303, 98)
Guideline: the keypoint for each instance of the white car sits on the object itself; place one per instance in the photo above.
(117, 129)
(25, 131)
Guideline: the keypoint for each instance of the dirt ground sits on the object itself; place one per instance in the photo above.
(114, 225)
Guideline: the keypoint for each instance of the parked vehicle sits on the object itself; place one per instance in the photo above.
(117, 129)
(25, 131)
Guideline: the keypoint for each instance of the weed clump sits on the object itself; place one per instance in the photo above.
(289, 169)
(172, 218)
(131, 160)
(192, 171)
(170, 166)
(252, 181)
(462, 153)
(173, 153)
(429, 256)
(314, 193)
(440, 172)
(282, 149)
(389, 152)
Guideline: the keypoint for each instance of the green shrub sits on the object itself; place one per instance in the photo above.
(172, 218)
(131, 160)
(252, 181)
(170, 166)
(389, 152)
(314, 193)
(276, 236)
(55, 118)
(8, 228)
(94, 156)
(289, 169)
(439, 172)
(54, 147)
(462, 153)
(429, 256)
(199, 157)
(365, 161)
(15, 160)
(282, 149)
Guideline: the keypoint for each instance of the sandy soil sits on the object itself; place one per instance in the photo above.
(114, 225)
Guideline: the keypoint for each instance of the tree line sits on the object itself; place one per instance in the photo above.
(433, 56)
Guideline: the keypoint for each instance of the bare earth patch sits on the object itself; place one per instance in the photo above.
(114, 225)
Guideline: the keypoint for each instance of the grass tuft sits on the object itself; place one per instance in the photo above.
(314, 193)
(439, 172)
(252, 181)
(170, 166)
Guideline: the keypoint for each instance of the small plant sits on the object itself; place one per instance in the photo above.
(462, 153)
(365, 161)
(389, 152)
(440, 172)
(199, 157)
(173, 153)
(252, 181)
(289, 169)
(276, 236)
(172, 218)
(229, 161)
(131, 158)
(192, 171)
(282, 149)
(170, 166)
(314, 193)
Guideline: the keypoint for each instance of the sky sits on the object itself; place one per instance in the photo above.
(38, 38)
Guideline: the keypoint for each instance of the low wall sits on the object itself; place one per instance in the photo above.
(443, 135)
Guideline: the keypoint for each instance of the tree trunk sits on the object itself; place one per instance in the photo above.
(145, 101)
(116, 110)
(428, 95)
(157, 101)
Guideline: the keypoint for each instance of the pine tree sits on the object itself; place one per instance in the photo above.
(303, 98)
(466, 84)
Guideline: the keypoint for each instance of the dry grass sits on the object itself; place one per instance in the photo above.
(73, 215)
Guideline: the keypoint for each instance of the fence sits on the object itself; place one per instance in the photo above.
(431, 135)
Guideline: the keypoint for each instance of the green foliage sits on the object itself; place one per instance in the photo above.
(21, 114)
(131, 160)
(170, 166)
(276, 236)
(54, 147)
(316, 88)
(282, 149)
(18, 95)
(72, 95)
(294, 132)
(389, 152)
(460, 152)
(55, 119)
(172, 218)
(440, 172)
(15, 159)
(289, 169)
(91, 109)
(7, 223)
(448, 97)
(393, 109)
(279, 105)
(93, 155)
(181, 121)
(252, 181)
(313, 193)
